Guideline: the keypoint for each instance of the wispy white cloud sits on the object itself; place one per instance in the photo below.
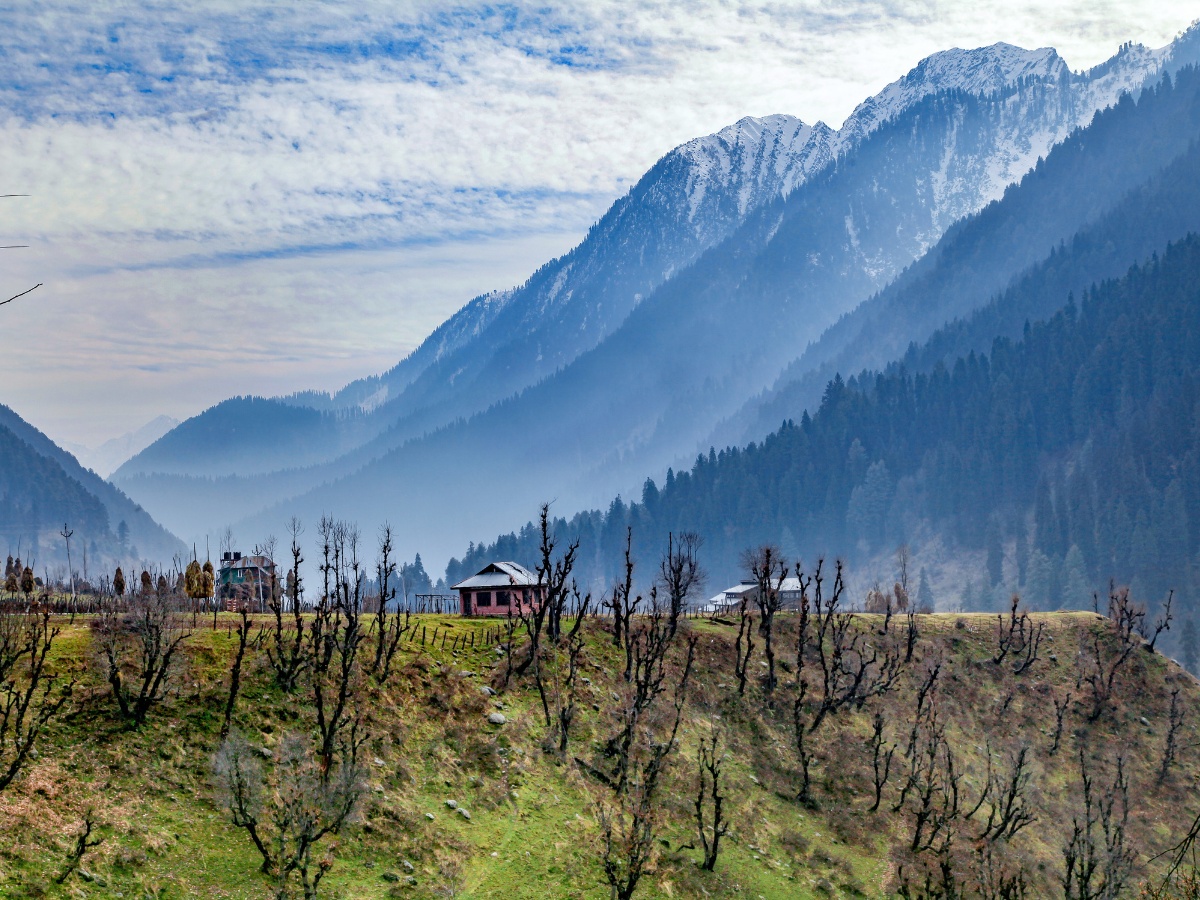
(343, 175)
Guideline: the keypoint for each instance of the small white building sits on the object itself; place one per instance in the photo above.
(730, 599)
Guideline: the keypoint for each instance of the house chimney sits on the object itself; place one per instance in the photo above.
(226, 556)
(236, 556)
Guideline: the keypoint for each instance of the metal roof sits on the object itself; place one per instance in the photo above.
(499, 575)
(789, 585)
(738, 589)
(714, 603)
(247, 562)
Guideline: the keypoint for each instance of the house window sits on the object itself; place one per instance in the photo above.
(483, 598)
(502, 598)
(525, 596)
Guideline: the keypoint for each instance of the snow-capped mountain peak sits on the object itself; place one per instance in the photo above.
(749, 130)
(758, 158)
(980, 71)
(763, 157)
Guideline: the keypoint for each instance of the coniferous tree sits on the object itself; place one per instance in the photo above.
(1189, 645)
(1075, 591)
(1022, 551)
(1044, 435)
(925, 602)
(1039, 582)
(970, 601)
(995, 555)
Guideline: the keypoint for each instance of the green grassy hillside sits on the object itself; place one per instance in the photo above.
(532, 828)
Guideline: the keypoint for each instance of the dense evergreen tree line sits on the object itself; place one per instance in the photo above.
(1075, 445)
(37, 495)
(1107, 196)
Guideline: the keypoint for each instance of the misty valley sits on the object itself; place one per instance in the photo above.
(824, 523)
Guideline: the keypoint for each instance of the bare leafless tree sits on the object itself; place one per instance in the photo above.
(800, 704)
(389, 629)
(1171, 744)
(623, 603)
(923, 703)
(567, 653)
(335, 637)
(287, 656)
(226, 540)
(138, 652)
(235, 671)
(554, 586)
(628, 827)
(1102, 661)
(1016, 635)
(882, 754)
(709, 757)
(630, 817)
(651, 642)
(851, 668)
(1007, 796)
(290, 812)
(511, 623)
(768, 570)
(1061, 706)
(903, 559)
(554, 574)
(1096, 862)
(911, 632)
(679, 574)
(994, 878)
(1150, 634)
(30, 698)
(931, 795)
(83, 843)
(743, 648)
(1181, 879)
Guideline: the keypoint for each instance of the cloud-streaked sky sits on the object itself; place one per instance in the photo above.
(229, 197)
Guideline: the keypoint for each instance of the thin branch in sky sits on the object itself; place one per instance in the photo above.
(22, 294)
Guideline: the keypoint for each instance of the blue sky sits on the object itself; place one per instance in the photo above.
(230, 197)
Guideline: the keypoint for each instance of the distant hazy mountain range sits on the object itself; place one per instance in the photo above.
(43, 487)
(104, 459)
(709, 303)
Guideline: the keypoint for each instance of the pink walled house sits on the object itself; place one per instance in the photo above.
(499, 589)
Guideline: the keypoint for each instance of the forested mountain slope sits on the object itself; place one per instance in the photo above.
(692, 199)
(1077, 442)
(37, 496)
(1111, 179)
(253, 436)
(42, 487)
